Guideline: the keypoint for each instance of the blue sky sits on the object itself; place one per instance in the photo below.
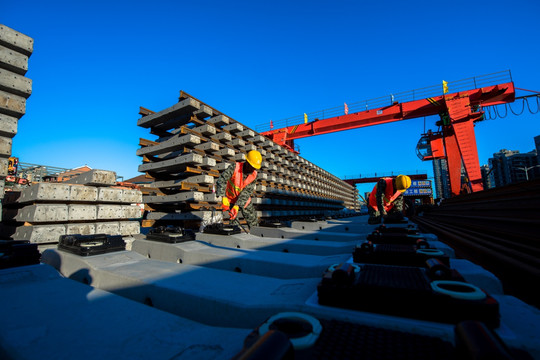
(95, 63)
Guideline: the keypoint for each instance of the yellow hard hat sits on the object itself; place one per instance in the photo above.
(403, 182)
(254, 158)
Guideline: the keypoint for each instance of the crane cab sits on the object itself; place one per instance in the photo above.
(430, 146)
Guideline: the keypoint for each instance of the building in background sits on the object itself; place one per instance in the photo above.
(442, 179)
(141, 180)
(500, 167)
(511, 166)
(486, 177)
(23, 174)
(536, 170)
(505, 167)
(42, 173)
(68, 174)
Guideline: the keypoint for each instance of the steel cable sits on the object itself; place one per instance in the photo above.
(537, 106)
(499, 115)
(490, 116)
(522, 108)
(492, 112)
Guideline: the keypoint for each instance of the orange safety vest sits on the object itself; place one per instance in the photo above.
(237, 183)
(388, 198)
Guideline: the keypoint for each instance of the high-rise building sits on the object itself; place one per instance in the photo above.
(508, 166)
(505, 167)
(500, 170)
(442, 179)
(536, 170)
(524, 166)
(486, 177)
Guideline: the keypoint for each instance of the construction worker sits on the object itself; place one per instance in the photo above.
(235, 186)
(386, 199)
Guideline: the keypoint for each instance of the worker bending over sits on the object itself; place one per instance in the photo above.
(386, 199)
(236, 185)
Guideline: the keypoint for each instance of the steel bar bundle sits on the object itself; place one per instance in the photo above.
(196, 142)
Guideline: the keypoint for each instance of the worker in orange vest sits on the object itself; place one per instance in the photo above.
(236, 185)
(386, 199)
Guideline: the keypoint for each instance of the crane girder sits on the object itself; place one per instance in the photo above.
(463, 109)
(487, 96)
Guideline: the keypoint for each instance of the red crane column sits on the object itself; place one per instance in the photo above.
(460, 143)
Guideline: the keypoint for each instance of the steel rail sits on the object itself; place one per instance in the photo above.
(511, 247)
(524, 229)
(518, 271)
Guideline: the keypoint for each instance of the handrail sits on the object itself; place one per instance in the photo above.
(375, 103)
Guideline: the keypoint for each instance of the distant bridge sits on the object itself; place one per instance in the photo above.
(373, 178)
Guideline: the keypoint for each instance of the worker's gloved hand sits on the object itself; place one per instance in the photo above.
(233, 213)
(225, 202)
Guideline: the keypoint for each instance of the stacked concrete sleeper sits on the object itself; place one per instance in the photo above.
(15, 88)
(87, 204)
(196, 142)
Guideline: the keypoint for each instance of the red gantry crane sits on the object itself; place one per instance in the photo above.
(458, 110)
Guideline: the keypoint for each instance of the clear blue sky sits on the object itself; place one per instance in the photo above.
(95, 63)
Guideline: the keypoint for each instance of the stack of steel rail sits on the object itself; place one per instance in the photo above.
(196, 142)
(496, 228)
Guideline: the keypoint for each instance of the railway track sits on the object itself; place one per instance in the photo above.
(498, 229)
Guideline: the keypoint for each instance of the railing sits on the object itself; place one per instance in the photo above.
(401, 97)
(43, 169)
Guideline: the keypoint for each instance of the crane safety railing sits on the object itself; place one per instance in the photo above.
(401, 97)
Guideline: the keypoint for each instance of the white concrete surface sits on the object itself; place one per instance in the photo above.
(46, 316)
(256, 262)
(249, 241)
(290, 233)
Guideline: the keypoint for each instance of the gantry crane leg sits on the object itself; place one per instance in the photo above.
(460, 144)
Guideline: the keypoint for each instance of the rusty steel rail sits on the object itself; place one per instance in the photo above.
(499, 229)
